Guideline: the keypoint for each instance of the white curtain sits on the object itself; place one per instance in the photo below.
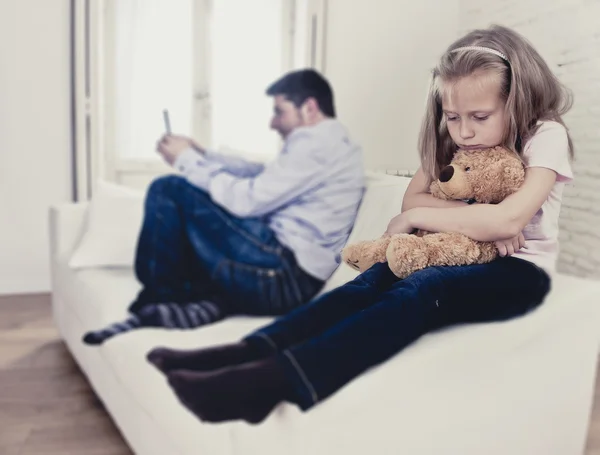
(153, 71)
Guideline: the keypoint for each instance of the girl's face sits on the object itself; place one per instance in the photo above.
(474, 111)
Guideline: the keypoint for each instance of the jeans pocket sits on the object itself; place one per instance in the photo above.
(272, 288)
(250, 289)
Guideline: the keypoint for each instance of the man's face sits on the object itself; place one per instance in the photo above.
(286, 116)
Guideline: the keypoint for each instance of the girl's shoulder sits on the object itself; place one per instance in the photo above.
(546, 129)
(549, 147)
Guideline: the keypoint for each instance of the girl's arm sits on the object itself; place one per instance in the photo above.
(417, 195)
(487, 222)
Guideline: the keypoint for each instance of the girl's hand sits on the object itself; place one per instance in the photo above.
(509, 247)
(400, 224)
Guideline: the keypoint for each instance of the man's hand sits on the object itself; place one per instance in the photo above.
(509, 247)
(170, 147)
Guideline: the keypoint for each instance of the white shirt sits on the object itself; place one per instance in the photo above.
(548, 148)
(309, 195)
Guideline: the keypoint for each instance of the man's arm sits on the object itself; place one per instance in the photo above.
(418, 195)
(234, 164)
(301, 167)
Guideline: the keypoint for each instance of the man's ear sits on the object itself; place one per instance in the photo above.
(311, 105)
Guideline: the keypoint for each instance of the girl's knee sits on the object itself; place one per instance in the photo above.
(379, 274)
(430, 283)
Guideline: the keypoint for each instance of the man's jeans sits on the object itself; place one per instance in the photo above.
(190, 249)
(340, 334)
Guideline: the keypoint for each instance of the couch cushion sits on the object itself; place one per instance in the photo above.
(106, 242)
(522, 386)
(381, 202)
(98, 296)
(119, 287)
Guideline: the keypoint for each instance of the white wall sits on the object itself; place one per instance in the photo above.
(378, 59)
(34, 135)
(566, 33)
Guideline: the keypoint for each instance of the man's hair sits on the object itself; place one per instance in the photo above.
(298, 86)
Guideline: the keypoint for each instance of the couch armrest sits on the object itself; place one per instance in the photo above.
(66, 226)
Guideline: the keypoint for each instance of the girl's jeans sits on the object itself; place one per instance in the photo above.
(339, 335)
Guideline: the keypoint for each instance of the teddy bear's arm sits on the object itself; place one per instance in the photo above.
(457, 249)
(363, 255)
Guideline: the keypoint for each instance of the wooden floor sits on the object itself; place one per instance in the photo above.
(46, 404)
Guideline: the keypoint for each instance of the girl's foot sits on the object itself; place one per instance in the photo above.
(206, 359)
(245, 392)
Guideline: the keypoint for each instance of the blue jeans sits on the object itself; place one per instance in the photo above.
(339, 335)
(190, 249)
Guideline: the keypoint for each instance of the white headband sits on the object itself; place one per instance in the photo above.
(481, 48)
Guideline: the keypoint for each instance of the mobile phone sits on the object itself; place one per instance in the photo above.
(167, 121)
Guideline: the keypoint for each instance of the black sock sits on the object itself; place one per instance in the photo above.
(248, 392)
(207, 359)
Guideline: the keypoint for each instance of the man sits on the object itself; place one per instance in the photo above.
(228, 236)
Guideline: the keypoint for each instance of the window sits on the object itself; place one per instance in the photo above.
(207, 61)
(246, 56)
(152, 71)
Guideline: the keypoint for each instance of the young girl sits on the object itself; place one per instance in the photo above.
(490, 88)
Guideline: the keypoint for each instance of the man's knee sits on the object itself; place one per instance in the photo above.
(166, 185)
(176, 190)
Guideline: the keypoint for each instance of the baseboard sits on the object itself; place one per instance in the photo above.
(24, 285)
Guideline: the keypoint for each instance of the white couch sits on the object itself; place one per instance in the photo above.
(523, 387)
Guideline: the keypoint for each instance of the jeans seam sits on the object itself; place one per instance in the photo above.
(218, 268)
(258, 270)
(292, 281)
(303, 377)
(268, 339)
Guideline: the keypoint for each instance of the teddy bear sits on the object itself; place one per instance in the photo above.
(485, 176)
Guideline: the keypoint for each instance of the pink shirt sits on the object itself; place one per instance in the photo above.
(548, 148)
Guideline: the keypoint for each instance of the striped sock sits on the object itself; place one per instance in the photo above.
(165, 315)
(100, 336)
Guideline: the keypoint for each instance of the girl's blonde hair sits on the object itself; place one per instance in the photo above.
(528, 86)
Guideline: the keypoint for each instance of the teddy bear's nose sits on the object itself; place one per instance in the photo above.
(446, 173)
